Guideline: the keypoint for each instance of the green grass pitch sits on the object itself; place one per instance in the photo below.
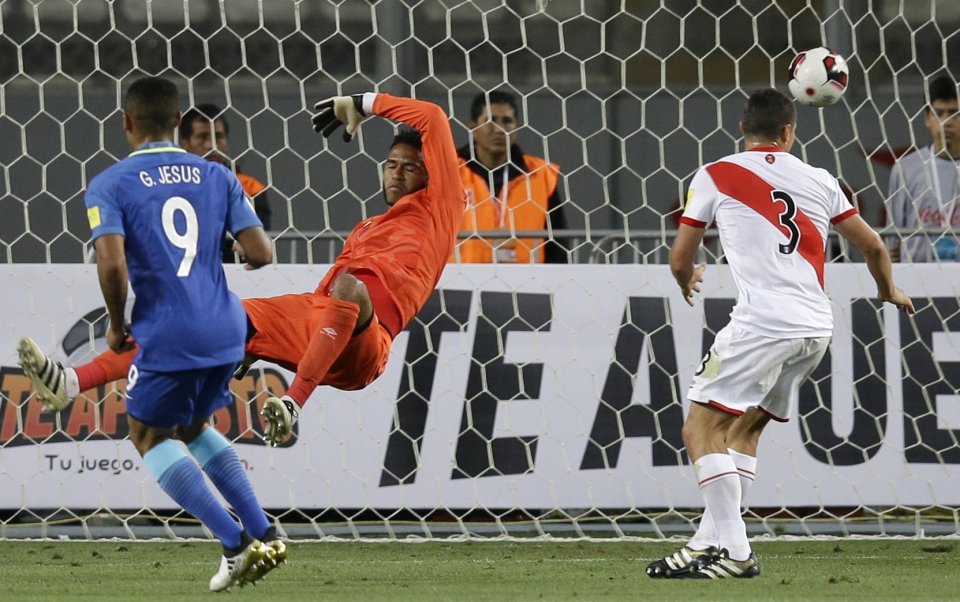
(499, 571)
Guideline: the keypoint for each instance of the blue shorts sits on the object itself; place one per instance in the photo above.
(167, 399)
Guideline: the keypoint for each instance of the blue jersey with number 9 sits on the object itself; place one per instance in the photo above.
(172, 208)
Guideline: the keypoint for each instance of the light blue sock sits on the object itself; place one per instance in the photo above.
(222, 464)
(180, 478)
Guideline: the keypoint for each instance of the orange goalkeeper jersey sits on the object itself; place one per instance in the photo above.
(400, 254)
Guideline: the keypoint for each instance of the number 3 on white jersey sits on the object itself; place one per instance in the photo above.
(186, 241)
(788, 220)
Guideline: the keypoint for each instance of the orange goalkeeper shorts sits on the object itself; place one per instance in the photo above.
(285, 324)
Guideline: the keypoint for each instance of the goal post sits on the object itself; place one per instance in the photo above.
(523, 400)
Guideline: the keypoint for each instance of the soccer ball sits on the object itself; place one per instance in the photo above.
(818, 77)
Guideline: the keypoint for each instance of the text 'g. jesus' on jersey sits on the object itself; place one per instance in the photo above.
(172, 209)
(773, 212)
(400, 254)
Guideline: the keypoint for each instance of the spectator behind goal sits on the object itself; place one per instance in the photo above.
(507, 189)
(925, 185)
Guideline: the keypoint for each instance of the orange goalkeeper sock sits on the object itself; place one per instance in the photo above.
(105, 368)
(335, 328)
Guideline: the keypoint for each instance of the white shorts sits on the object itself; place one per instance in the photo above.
(744, 370)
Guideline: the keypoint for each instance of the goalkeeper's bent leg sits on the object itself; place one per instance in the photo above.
(336, 324)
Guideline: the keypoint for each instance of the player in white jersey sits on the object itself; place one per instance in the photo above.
(772, 211)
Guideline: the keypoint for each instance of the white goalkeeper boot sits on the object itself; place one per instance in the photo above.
(241, 568)
(280, 414)
(47, 375)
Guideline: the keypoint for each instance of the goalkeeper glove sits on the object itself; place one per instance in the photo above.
(336, 110)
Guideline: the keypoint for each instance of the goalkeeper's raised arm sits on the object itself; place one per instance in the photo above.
(439, 155)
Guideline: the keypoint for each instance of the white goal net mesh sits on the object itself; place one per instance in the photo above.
(524, 400)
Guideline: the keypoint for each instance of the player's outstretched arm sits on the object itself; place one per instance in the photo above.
(864, 238)
(682, 253)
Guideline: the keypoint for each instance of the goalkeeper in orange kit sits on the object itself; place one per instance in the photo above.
(340, 334)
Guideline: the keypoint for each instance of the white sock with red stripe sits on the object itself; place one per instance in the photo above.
(719, 482)
(747, 467)
(706, 534)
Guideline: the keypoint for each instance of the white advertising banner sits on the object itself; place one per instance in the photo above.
(519, 387)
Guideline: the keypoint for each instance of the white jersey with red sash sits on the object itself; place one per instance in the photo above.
(773, 212)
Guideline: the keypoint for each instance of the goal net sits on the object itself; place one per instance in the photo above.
(524, 400)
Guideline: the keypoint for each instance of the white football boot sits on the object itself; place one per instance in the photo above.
(47, 375)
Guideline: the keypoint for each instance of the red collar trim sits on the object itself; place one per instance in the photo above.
(766, 149)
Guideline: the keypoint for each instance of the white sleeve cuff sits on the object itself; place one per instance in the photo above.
(368, 99)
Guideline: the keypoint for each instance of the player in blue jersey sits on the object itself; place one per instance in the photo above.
(159, 217)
